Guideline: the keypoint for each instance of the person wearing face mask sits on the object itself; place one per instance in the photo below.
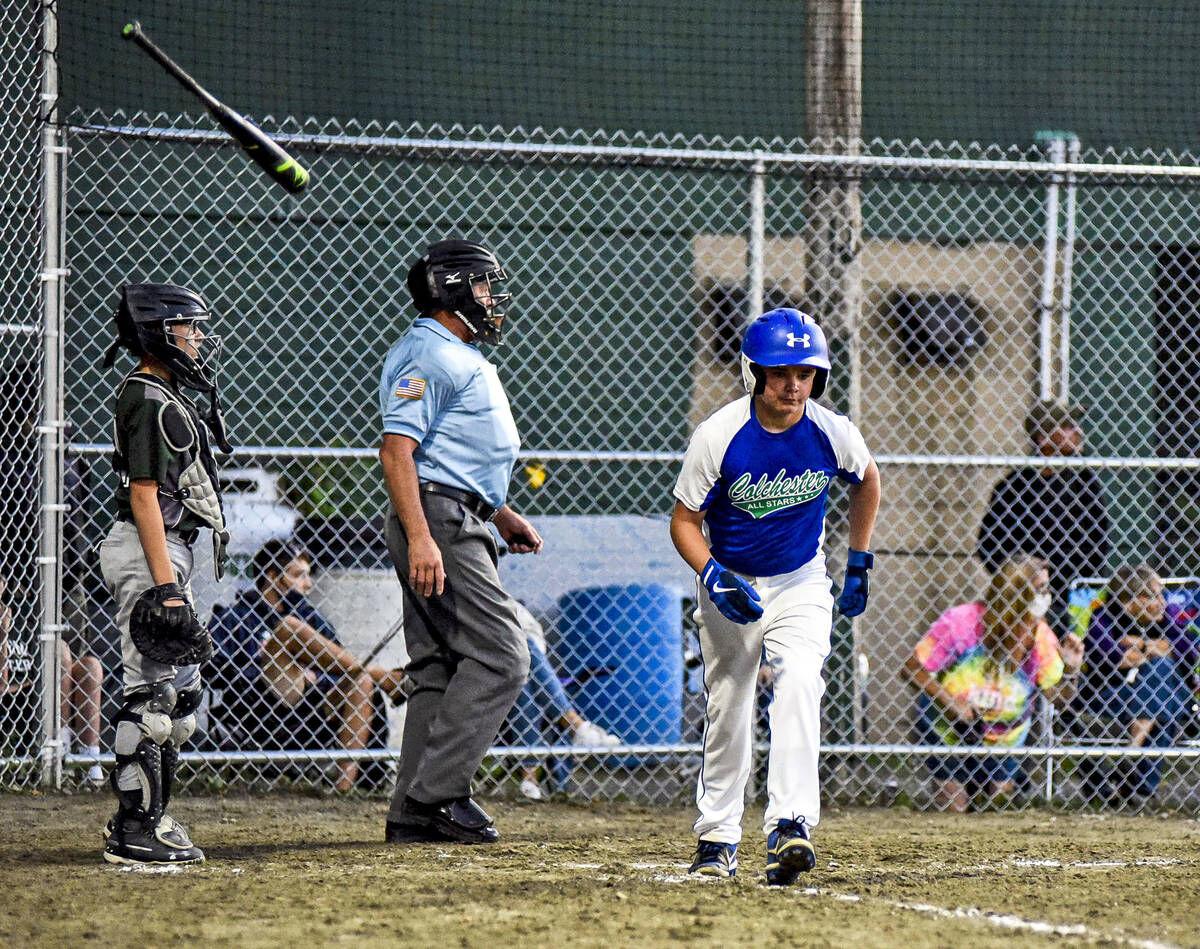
(286, 672)
(1053, 512)
(978, 669)
(1140, 657)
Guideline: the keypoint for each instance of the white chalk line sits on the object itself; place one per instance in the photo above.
(670, 872)
(165, 869)
(631, 866)
(1002, 920)
(1011, 863)
(1096, 864)
(172, 869)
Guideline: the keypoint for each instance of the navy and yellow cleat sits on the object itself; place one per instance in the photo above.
(714, 859)
(789, 853)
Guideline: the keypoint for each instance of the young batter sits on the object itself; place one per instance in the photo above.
(750, 520)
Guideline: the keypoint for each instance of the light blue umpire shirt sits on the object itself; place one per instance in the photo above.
(443, 394)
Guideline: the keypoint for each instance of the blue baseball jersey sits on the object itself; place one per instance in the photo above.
(443, 394)
(764, 493)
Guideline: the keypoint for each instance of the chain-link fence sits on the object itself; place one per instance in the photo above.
(30, 276)
(960, 288)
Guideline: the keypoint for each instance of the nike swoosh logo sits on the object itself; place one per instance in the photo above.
(717, 588)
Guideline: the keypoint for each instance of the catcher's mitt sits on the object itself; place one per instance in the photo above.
(169, 634)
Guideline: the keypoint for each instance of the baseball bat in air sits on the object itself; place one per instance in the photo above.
(254, 141)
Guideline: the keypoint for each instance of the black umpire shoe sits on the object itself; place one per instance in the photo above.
(459, 819)
(410, 831)
(411, 827)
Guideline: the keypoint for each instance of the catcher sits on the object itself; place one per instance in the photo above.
(167, 491)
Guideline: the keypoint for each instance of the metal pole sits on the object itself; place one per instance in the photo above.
(756, 245)
(51, 429)
(94, 449)
(1188, 752)
(1048, 718)
(1068, 266)
(551, 152)
(1056, 149)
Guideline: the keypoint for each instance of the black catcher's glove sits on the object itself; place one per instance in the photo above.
(168, 634)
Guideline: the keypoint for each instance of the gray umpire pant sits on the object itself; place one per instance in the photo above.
(127, 576)
(467, 656)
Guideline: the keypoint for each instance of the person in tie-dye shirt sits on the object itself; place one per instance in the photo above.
(978, 670)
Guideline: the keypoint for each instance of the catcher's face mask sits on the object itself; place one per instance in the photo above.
(197, 355)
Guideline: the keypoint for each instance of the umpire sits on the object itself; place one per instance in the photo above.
(449, 446)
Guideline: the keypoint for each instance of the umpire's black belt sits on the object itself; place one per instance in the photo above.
(468, 499)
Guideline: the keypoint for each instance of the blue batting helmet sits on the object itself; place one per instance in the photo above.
(784, 337)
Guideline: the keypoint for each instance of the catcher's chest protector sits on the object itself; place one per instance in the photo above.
(192, 481)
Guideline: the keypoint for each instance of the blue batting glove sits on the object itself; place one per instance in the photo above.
(734, 597)
(855, 587)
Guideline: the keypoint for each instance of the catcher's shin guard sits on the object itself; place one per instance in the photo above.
(183, 726)
(143, 724)
(143, 727)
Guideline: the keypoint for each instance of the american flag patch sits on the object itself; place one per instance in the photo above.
(410, 388)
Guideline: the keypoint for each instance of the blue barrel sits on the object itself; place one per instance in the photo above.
(622, 647)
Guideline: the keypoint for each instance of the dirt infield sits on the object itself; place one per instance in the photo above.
(313, 871)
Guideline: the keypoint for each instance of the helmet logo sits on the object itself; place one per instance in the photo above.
(805, 340)
(453, 278)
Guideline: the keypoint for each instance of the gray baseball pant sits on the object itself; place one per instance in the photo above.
(467, 655)
(127, 575)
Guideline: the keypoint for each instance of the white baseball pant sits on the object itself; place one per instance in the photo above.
(794, 630)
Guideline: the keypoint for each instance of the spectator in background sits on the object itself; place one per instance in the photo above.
(978, 670)
(80, 697)
(1140, 659)
(1054, 513)
(543, 701)
(82, 674)
(285, 669)
(18, 699)
(20, 505)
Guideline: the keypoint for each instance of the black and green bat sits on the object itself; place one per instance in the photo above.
(254, 141)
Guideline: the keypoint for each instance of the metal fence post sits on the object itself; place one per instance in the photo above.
(756, 245)
(51, 428)
(1068, 269)
(1056, 153)
(1048, 741)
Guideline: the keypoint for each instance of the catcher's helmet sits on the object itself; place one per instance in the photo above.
(145, 316)
(784, 337)
(464, 278)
